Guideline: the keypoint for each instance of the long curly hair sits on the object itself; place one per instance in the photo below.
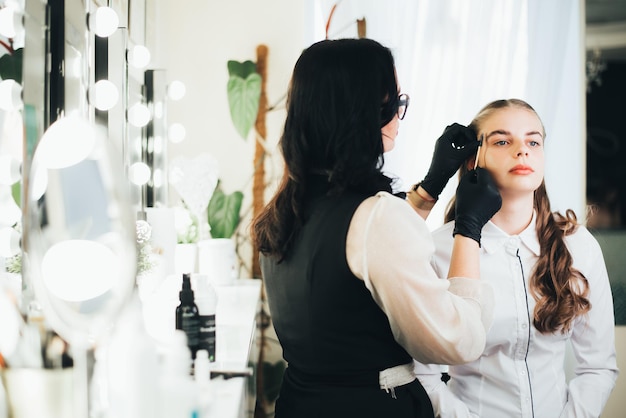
(340, 95)
(559, 289)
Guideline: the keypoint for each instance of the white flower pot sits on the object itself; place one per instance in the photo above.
(217, 259)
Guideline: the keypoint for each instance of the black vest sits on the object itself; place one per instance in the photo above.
(325, 318)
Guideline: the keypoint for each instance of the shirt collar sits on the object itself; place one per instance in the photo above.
(493, 238)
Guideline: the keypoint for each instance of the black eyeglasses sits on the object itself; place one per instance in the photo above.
(403, 105)
(391, 108)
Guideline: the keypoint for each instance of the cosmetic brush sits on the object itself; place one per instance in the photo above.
(480, 143)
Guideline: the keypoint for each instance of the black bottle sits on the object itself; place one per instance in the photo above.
(187, 317)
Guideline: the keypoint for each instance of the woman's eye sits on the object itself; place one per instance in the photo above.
(535, 144)
(500, 142)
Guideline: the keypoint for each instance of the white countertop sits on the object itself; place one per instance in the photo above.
(237, 306)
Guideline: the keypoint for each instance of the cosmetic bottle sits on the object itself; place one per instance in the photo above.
(202, 376)
(178, 392)
(206, 300)
(132, 362)
(187, 315)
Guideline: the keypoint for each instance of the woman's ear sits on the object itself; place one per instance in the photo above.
(469, 164)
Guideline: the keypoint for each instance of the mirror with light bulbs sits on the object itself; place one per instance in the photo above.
(85, 59)
(77, 197)
(21, 114)
(155, 151)
(74, 67)
(77, 239)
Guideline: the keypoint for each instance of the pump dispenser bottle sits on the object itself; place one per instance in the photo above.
(206, 300)
(187, 318)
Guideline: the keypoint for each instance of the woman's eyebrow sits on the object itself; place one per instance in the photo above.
(503, 132)
(498, 132)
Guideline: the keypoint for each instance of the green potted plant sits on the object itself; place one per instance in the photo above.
(217, 257)
(223, 213)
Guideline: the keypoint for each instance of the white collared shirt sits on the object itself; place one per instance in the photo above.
(521, 371)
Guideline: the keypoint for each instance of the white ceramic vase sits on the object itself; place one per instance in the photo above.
(217, 259)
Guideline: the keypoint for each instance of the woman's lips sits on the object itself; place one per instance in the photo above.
(521, 169)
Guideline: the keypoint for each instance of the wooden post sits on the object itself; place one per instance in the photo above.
(258, 202)
(258, 183)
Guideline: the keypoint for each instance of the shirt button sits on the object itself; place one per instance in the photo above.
(523, 373)
(524, 326)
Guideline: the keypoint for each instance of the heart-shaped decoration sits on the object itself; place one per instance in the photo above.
(195, 180)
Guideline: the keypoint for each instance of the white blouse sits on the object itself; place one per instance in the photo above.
(521, 371)
(390, 247)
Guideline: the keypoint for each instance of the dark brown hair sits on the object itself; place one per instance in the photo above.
(560, 290)
(341, 93)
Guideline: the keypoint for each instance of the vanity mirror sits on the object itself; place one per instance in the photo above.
(79, 243)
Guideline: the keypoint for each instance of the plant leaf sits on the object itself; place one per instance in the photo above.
(272, 378)
(11, 66)
(223, 213)
(243, 101)
(241, 69)
(16, 191)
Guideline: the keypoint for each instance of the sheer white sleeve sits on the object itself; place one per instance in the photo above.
(437, 321)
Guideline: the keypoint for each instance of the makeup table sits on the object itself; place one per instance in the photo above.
(233, 373)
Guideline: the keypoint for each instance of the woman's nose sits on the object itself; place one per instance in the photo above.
(522, 151)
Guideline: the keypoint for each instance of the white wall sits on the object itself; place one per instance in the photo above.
(194, 41)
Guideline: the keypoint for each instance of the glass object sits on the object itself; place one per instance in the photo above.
(81, 255)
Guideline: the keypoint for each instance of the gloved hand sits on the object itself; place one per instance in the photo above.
(454, 146)
(477, 200)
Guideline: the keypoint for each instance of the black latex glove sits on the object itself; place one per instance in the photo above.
(454, 146)
(477, 200)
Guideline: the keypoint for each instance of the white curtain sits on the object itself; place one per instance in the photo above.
(455, 56)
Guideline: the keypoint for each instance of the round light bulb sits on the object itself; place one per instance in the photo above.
(176, 133)
(139, 173)
(104, 95)
(9, 242)
(79, 270)
(158, 145)
(10, 95)
(10, 212)
(139, 115)
(10, 170)
(66, 142)
(10, 21)
(158, 178)
(38, 180)
(176, 90)
(105, 22)
(136, 145)
(139, 56)
(158, 110)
